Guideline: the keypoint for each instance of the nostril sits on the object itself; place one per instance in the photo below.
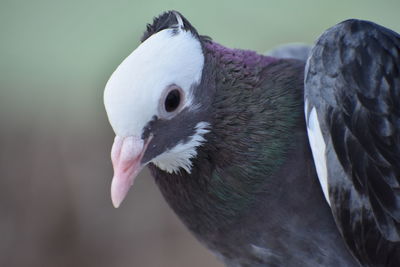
(116, 149)
(132, 147)
(126, 149)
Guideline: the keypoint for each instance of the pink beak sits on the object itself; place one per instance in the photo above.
(126, 156)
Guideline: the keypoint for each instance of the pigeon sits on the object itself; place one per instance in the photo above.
(268, 160)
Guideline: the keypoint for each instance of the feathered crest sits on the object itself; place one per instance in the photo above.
(169, 20)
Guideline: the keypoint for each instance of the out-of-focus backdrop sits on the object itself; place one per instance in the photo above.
(55, 172)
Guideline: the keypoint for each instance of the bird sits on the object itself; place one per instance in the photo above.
(269, 160)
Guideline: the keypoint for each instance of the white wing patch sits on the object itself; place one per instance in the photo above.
(318, 148)
(180, 156)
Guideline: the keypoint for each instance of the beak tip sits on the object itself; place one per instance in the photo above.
(116, 204)
(118, 192)
(126, 155)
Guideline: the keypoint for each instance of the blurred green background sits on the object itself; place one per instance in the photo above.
(55, 58)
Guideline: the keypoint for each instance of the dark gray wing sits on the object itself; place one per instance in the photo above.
(352, 96)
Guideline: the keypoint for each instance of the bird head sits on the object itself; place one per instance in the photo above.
(155, 105)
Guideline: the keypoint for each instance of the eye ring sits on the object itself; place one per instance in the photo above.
(171, 101)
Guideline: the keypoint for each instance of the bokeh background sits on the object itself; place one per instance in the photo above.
(55, 172)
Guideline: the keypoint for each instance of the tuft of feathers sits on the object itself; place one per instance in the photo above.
(168, 20)
(181, 155)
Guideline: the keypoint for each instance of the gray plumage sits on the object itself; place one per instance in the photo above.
(353, 82)
(294, 50)
(251, 192)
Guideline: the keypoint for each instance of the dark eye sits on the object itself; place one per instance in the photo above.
(172, 100)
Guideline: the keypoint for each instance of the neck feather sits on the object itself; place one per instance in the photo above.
(256, 105)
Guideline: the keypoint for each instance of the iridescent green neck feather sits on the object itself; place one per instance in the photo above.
(256, 105)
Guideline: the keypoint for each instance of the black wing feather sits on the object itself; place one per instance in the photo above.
(353, 81)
